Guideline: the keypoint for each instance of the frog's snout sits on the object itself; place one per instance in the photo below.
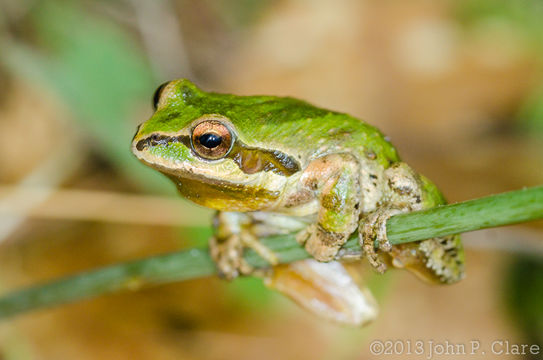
(136, 134)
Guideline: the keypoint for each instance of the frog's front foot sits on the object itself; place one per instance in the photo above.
(373, 235)
(228, 255)
(319, 243)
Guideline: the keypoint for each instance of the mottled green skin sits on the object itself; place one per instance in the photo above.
(271, 122)
(345, 171)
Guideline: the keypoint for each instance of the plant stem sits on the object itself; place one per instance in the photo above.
(491, 211)
(503, 209)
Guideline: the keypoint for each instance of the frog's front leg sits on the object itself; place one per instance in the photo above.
(403, 194)
(233, 235)
(335, 179)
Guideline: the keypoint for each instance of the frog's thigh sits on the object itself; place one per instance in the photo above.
(437, 259)
(325, 289)
(405, 187)
(336, 180)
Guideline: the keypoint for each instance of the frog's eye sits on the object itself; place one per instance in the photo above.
(211, 140)
(158, 93)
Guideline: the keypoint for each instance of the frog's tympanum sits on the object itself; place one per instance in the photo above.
(273, 165)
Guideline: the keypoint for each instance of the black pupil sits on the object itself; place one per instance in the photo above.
(156, 96)
(210, 140)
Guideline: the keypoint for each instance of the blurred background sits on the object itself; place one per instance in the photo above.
(457, 86)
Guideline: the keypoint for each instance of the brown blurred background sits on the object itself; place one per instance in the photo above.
(457, 85)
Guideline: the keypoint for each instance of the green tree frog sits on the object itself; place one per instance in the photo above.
(273, 165)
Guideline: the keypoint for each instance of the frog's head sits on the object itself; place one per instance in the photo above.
(205, 143)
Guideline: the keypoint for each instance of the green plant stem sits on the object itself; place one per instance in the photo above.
(503, 209)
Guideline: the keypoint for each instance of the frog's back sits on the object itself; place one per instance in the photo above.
(284, 121)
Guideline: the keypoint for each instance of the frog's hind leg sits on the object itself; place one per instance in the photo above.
(438, 260)
(372, 235)
(326, 289)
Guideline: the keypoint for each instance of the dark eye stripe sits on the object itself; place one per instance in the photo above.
(154, 140)
(249, 160)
